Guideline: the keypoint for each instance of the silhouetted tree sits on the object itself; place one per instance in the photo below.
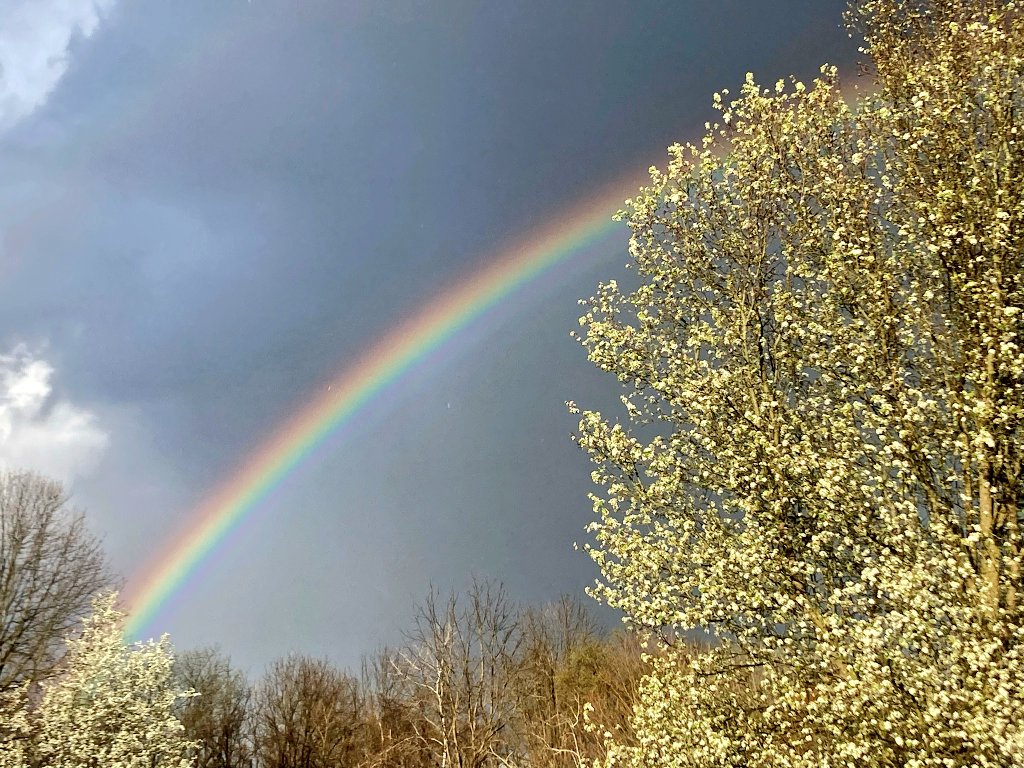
(308, 714)
(218, 719)
(51, 568)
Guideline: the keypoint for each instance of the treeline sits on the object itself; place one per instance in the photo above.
(479, 682)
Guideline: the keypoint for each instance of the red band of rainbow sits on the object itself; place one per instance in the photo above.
(384, 362)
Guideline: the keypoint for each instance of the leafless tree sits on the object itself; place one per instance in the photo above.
(218, 720)
(392, 728)
(605, 678)
(309, 714)
(462, 664)
(51, 567)
(550, 706)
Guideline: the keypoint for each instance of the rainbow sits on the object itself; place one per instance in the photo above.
(409, 343)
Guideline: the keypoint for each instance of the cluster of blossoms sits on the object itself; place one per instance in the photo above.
(825, 387)
(111, 705)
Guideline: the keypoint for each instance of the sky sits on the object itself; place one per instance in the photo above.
(208, 210)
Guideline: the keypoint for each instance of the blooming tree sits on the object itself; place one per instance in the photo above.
(821, 468)
(112, 705)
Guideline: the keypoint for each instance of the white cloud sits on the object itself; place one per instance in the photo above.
(35, 36)
(37, 430)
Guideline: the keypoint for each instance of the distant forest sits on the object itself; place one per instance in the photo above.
(478, 681)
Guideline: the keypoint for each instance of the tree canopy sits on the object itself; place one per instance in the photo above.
(820, 466)
(51, 568)
(112, 705)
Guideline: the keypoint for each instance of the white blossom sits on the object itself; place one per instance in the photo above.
(822, 465)
(112, 705)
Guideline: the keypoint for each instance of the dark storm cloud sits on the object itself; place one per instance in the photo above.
(279, 164)
(224, 202)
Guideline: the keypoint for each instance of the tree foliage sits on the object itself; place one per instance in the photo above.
(576, 683)
(552, 680)
(824, 371)
(111, 705)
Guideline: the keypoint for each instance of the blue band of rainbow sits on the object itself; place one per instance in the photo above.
(399, 351)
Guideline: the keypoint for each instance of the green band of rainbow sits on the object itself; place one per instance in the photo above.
(382, 363)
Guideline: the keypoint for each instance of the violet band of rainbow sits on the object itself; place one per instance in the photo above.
(383, 363)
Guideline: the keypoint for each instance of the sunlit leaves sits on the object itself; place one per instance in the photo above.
(112, 705)
(820, 466)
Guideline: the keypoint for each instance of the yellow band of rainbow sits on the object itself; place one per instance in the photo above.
(209, 524)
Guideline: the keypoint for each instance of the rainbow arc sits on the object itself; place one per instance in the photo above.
(381, 365)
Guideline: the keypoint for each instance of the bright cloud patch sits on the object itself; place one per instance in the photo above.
(35, 36)
(38, 431)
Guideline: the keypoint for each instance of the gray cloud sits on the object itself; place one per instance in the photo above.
(36, 38)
